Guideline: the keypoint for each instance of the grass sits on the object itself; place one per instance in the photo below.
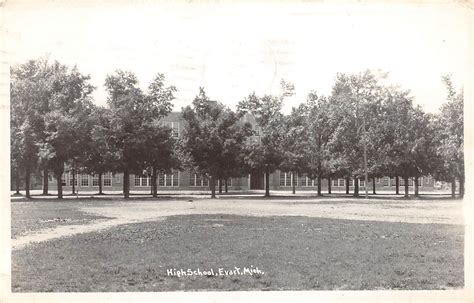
(30, 217)
(295, 253)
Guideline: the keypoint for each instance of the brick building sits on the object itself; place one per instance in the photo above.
(187, 180)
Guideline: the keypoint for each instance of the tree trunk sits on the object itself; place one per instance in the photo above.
(356, 187)
(220, 186)
(406, 186)
(453, 188)
(100, 184)
(154, 184)
(73, 181)
(45, 181)
(226, 188)
(126, 184)
(17, 182)
(267, 183)
(461, 186)
(319, 187)
(293, 183)
(329, 185)
(397, 185)
(373, 186)
(416, 185)
(212, 184)
(27, 182)
(347, 185)
(60, 184)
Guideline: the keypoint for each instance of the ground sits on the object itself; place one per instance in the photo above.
(297, 243)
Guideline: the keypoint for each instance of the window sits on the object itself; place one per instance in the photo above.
(386, 181)
(196, 180)
(338, 182)
(285, 179)
(410, 182)
(108, 179)
(351, 182)
(427, 180)
(361, 183)
(137, 180)
(282, 179)
(170, 179)
(84, 180)
(229, 182)
(402, 181)
(420, 181)
(70, 179)
(117, 179)
(63, 179)
(142, 181)
(174, 128)
(342, 182)
(95, 180)
(306, 181)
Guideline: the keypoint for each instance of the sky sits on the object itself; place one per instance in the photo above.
(234, 48)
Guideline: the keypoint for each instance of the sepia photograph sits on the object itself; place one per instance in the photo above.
(191, 149)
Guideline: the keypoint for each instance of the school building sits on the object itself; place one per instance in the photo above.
(189, 181)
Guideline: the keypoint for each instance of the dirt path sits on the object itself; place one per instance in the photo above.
(409, 211)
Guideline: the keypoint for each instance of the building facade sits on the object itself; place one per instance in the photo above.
(187, 180)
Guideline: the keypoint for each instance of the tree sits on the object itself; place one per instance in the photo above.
(263, 153)
(355, 103)
(69, 107)
(213, 138)
(294, 143)
(28, 90)
(320, 130)
(98, 157)
(448, 127)
(40, 90)
(132, 111)
(161, 153)
(406, 144)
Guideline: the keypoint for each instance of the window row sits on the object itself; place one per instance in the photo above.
(168, 180)
(287, 180)
(164, 180)
(85, 180)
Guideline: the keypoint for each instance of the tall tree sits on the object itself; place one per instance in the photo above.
(69, 108)
(320, 128)
(132, 110)
(263, 154)
(29, 88)
(99, 156)
(213, 138)
(294, 144)
(353, 100)
(406, 144)
(161, 155)
(448, 127)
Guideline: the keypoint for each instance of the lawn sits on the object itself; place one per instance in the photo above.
(293, 253)
(28, 217)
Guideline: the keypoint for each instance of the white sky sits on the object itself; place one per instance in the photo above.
(234, 49)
